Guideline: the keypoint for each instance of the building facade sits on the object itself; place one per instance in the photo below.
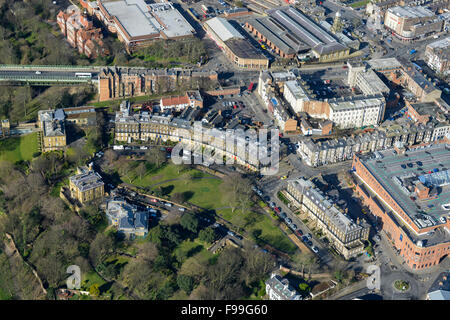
(53, 130)
(437, 56)
(345, 235)
(410, 23)
(81, 33)
(396, 195)
(117, 82)
(159, 127)
(86, 185)
(190, 99)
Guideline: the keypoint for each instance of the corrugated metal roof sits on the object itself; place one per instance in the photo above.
(223, 29)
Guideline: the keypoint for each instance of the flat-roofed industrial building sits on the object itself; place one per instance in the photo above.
(138, 23)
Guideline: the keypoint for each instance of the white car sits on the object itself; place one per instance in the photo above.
(314, 249)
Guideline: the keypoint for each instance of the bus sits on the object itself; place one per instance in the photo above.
(83, 75)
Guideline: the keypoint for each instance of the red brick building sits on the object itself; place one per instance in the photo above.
(191, 98)
(421, 243)
(81, 33)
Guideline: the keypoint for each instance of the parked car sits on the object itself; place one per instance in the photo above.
(277, 210)
(294, 227)
(309, 243)
(314, 249)
(272, 205)
(283, 215)
(167, 204)
(182, 209)
(288, 220)
(298, 232)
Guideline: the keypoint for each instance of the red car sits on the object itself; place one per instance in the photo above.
(277, 210)
(299, 232)
(153, 200)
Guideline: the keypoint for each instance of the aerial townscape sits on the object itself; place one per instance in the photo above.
(225, 150)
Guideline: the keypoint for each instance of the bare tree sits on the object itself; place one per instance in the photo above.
(110, 156)
(141, 170)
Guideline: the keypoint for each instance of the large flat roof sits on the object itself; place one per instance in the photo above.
(397, 172)
(243, 49)
(141, 19)
(411, 12)
(133, 15)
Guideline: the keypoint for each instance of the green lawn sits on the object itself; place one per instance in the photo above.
(204, 192)
(167, 172)
(270, 233)
(207, 193)
(190, 248)
(19, 148)
(358, 4)
(91, 278)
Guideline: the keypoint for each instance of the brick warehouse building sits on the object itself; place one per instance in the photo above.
(409, 196)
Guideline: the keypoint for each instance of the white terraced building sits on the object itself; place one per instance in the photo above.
(357, 111)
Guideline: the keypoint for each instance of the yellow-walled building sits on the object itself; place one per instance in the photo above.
(86, 186)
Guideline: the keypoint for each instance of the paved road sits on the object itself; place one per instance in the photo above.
(49, 75)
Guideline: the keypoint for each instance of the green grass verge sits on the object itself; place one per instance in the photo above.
(19, 148)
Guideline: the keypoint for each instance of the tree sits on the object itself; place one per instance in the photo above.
(94, 290)
(190, 222)
(301, 260)
(237, 191)
(100, 247)
(185, 283)
(339, 275)
(110, 156)
(155, 156)
(177, 197)
(141, 170)
(147, 252)
(304, 287)
(207, 235)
